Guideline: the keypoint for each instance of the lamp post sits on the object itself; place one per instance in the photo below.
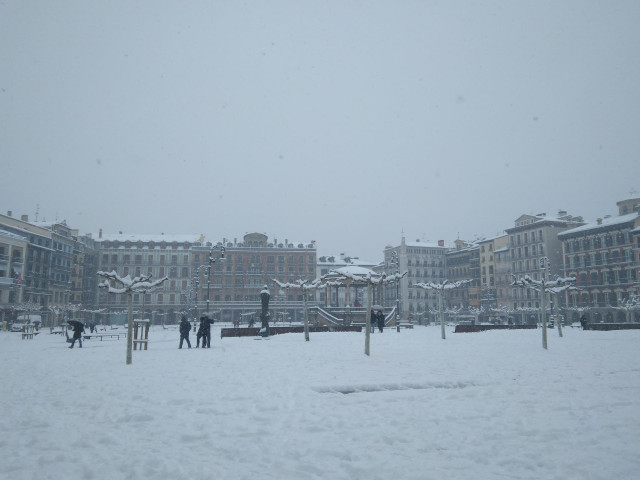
(195, 287)
(212, 260)
(395, 262)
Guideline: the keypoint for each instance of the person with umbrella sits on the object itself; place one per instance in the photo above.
(78, 328)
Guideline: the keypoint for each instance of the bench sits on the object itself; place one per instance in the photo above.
(102, 335)
(406, 325)
(28, 332)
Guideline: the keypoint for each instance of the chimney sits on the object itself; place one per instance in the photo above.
(441, 243)
(24, 218)
(599, 221)
(100, 233)
(9, 212)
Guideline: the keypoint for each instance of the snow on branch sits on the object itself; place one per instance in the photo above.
(558, 285)
(142, 283)
(445, 285)
(301, 284)
(335, 278)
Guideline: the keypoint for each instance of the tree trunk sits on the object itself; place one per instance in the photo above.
(129, 329)
(440, 306)
(306, 315)
(367, 333)
(544, 317)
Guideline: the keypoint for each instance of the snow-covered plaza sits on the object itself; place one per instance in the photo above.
(489, 405)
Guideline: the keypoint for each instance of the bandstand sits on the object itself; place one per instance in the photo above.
(346, 293)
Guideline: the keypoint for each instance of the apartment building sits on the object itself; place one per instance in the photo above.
(38, 261)
(489, 272)
(155, 255)
(603, 256)
(13, 249)
(535, 250)
(463, 263)
(424, 262)
(249, 264)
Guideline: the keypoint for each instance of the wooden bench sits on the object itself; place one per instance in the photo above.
(102, 335)
(28, 332)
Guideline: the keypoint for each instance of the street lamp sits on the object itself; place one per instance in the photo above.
(395, 262)
(545, 266)
(212, 260)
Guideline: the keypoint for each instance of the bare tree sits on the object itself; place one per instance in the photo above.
(440, 289)
(129, 286)
(369, 279)
(304, 286)
(543, 287)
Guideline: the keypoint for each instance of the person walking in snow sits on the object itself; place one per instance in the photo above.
(206, 332)
(185, 328)
(380, 320)
(200, 332)
(372, 322)
(78, 328)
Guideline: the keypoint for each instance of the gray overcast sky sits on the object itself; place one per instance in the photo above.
(345, 122)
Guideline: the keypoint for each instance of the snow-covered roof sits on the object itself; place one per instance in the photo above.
(132, 237)
(15, 236)
(603, 224)
(341, 260)
(355, 270)
(428, 245)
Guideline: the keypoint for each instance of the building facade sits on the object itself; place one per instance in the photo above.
(489, 274)
(423, 262)
(155, 255)
(604, 258)
(13, 251)
(36, 278)
(463, 263)
(534, 251)
(234, 285)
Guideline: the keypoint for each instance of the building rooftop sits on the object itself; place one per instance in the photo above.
(602, 223)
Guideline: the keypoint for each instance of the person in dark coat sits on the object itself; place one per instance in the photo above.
(206, 333)
(583, 321)
(200, 332)
(78, 328)
(185, 328)
(372, 321)
(380, 320)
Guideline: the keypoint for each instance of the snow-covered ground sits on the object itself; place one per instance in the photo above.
(489, 405)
